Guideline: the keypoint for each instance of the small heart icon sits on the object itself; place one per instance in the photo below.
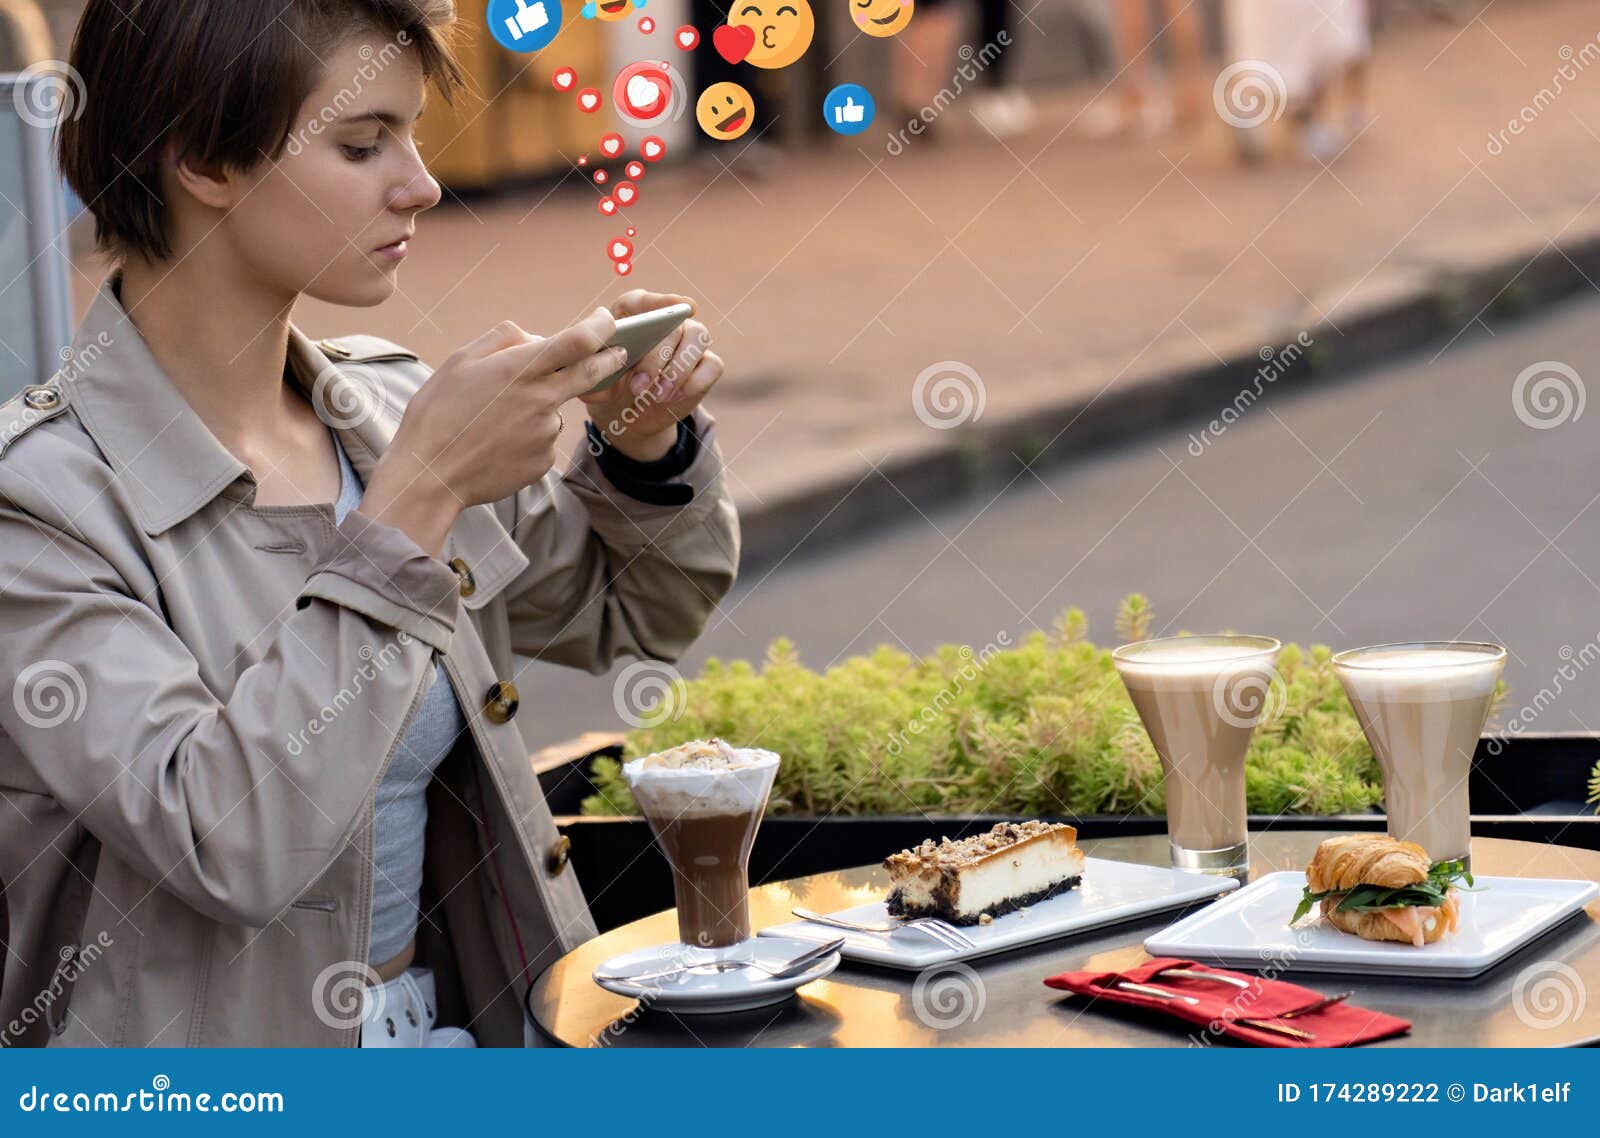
(589, 100)
(688, 39)
(652, 148)
(624, 268)
(625, 193)
(733, 43)
(611, 145)
(608, 206)
(642, 94)
(621, 250)
(564, 78)
(646, 25)
(600, 177)
(634, 169)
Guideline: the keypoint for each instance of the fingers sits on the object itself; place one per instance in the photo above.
(672, 359)
(567, 347)
(674, 377)
(578, 378)
(638, 300)
(503, 335)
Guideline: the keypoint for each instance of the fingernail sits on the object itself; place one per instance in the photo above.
(639, 382)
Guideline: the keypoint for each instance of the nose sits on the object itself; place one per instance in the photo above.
(419, 191)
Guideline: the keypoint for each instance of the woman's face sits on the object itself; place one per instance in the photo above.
(331, 215)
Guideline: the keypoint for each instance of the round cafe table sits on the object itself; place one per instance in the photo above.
(868, 1006)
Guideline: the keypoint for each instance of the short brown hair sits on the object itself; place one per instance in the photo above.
(219, 82)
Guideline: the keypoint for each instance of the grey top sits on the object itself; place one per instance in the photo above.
(400, 811)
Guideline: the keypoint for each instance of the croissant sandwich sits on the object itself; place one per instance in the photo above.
(1377, 888)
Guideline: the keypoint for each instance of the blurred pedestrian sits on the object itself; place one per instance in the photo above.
(1140, 97)
(1306, 57)
(1001, 106)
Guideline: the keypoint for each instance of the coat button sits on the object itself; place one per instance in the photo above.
(41, 398)
(500, 704)
(469, 583)
(560, 854)
(334, 351)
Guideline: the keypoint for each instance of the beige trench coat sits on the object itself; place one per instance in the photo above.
(201, 695)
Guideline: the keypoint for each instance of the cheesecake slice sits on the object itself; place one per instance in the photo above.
(973, 880)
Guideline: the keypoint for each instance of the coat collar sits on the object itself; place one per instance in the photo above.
(172, 465)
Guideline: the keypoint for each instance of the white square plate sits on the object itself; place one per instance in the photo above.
(1111, 892)
(1251, 928)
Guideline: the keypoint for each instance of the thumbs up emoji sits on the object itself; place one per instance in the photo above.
(850, 112)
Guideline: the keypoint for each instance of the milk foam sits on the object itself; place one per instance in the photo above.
(701, 778)
(1419, 675)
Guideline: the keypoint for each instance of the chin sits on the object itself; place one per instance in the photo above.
(356, 293)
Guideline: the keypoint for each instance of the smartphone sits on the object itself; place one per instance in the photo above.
(640, 333)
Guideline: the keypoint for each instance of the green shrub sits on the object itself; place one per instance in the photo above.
(1038, 727)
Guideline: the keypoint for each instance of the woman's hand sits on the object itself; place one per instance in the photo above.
(485, 424)
(639, 413)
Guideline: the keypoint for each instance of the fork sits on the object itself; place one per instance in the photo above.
(940, 930)
(1258, 1024)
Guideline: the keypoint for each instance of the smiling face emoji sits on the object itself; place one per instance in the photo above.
(608, 10)
(783, 29)
(881, 18)
(724, 111)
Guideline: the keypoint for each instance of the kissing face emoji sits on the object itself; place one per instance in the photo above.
(783, 29)
(724, 111)
(881, 18)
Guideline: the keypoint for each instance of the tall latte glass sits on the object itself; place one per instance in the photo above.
(704, 800)
(1422, 707)
(1200, 698)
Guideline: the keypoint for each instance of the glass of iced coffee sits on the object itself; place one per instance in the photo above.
(1422, 707)
(704, 800)
(1200, 698)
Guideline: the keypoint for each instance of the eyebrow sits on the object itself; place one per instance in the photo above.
(383, 118)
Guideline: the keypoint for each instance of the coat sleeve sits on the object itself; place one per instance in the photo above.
(232, 801)
(608, 574)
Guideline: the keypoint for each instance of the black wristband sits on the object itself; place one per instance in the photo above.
(649, 482)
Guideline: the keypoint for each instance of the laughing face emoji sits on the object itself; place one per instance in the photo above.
(783, 29)
(881, 18)
(610, 10)
(724, 111)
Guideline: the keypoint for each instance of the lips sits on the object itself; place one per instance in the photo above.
(396, 245)
(889, 19)
(766, 36)
(733, 121)
(615, 6)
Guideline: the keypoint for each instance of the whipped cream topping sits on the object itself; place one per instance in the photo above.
(702, 777)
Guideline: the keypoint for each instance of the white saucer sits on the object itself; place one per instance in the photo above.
(695, 992)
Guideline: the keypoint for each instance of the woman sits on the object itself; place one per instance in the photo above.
(261, 595)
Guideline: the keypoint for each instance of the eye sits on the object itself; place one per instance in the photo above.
(749, 10)
(359, 153)
(863, 3)
(787, 9)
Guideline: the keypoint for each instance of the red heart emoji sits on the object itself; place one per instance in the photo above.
(624, 268)
(733, 43)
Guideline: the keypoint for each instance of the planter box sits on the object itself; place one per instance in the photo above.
(1531, 790)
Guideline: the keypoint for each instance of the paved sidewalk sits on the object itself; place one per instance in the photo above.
(1069, 275)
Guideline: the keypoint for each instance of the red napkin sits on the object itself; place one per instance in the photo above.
(1222, 1005)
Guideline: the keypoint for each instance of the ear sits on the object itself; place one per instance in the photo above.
(217, 187)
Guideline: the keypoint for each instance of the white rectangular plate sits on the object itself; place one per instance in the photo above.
(1111, 892)
(1251, 928)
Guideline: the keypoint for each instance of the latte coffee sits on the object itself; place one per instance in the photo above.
(704, 800)
(1422, 707)
(1200, 698)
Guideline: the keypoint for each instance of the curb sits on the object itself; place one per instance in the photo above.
(1435, 300)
